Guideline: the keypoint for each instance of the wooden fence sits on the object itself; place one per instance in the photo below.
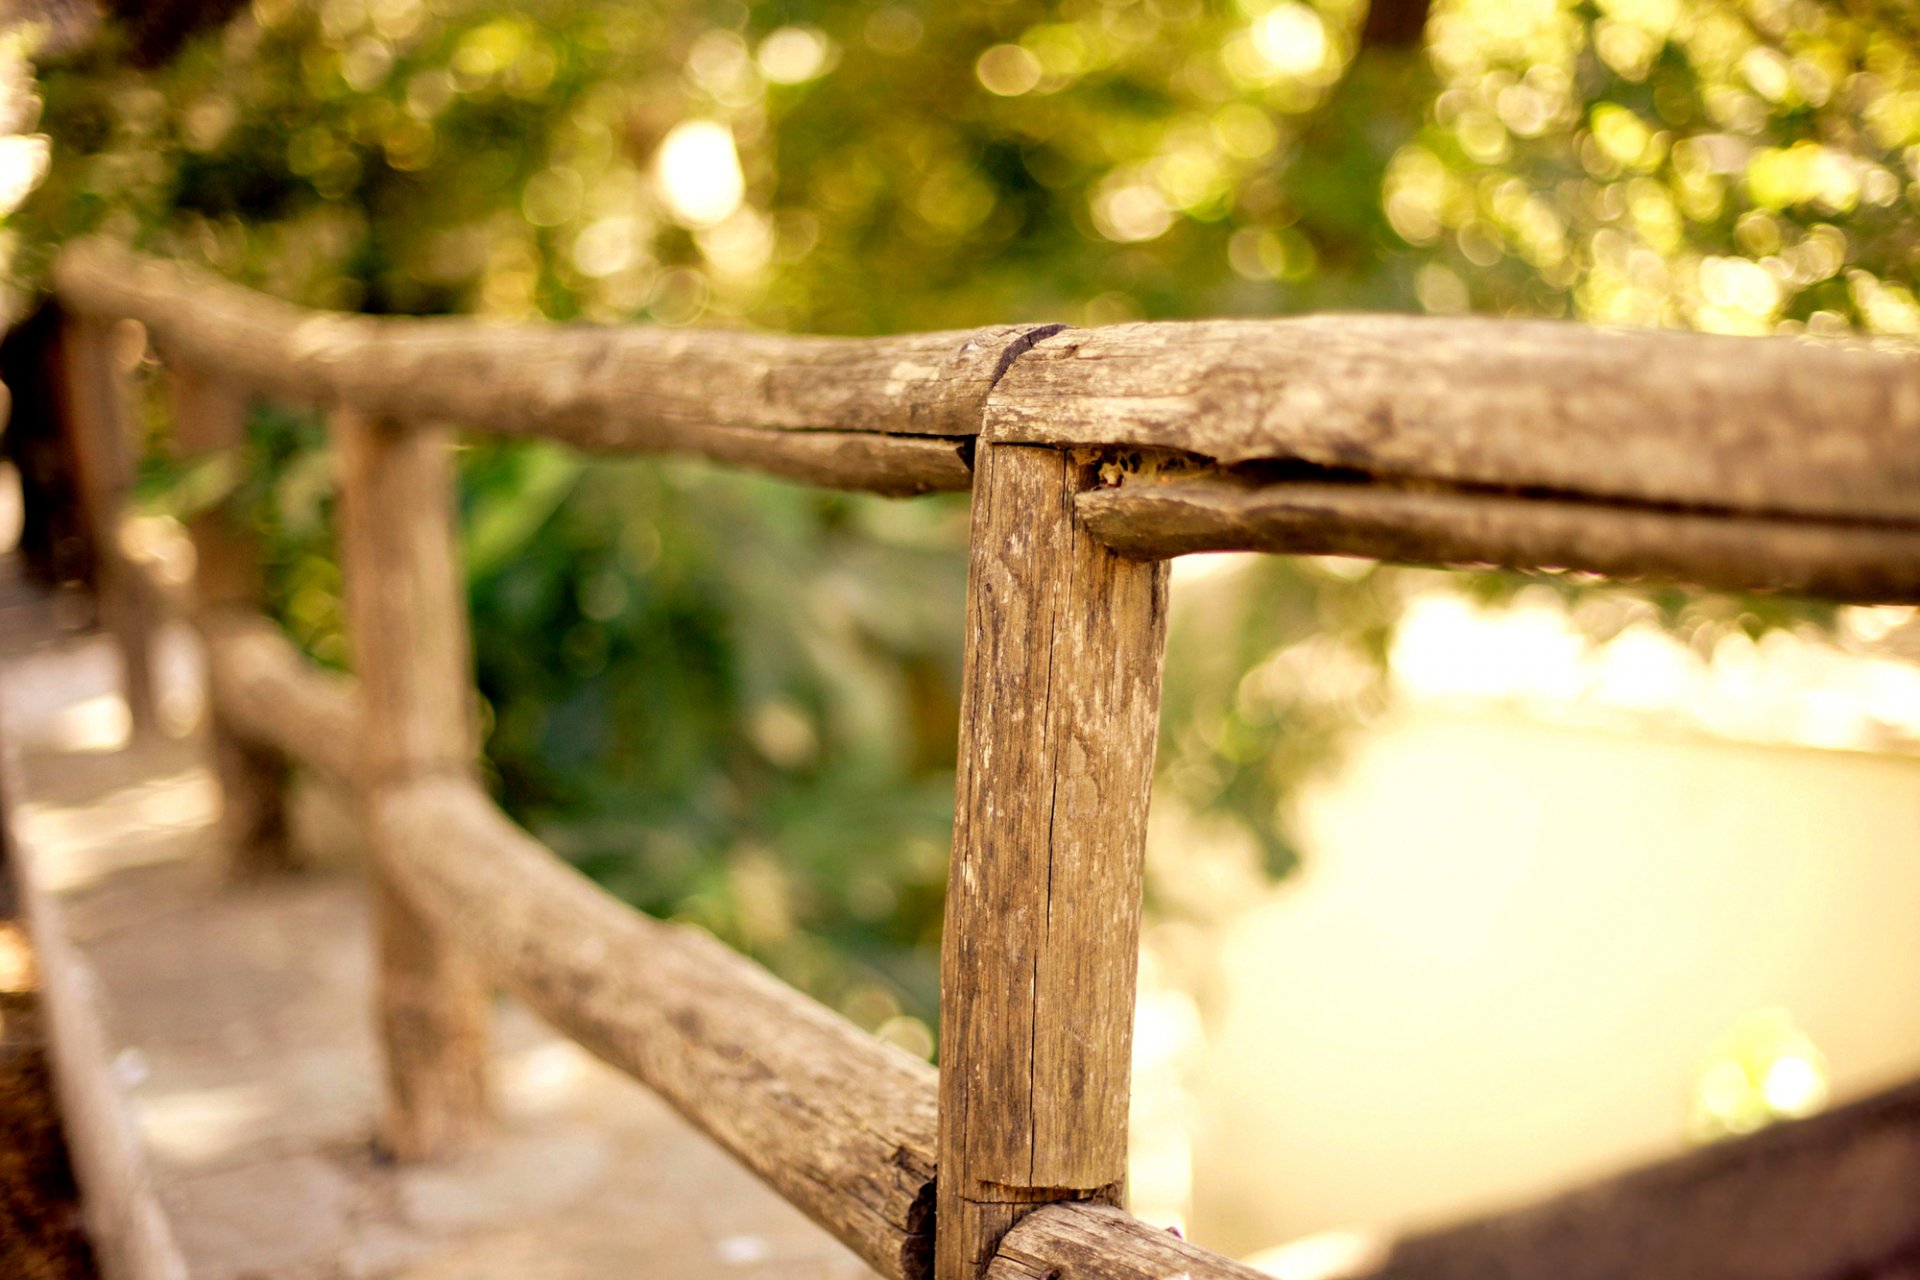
(1093, 456)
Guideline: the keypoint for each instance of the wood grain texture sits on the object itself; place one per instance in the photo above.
(1831, 1195)
(729, 395)
(96, 402)
(407, 624)
(839, 1123)
(1746, 424)
(1100, 1242)
(1858, 562)
(405, 599)
(271, 697)
(636, 992)
(210, 419)
(892, 466)
(1059, 710)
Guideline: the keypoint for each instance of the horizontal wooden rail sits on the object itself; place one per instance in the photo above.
(1775, 425)
(1687, 419)
(839, 1123)
(1085, 1241)
(884, 414)
(268, 693)
(1835, 559)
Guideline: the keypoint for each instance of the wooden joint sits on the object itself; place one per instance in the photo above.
(969, 375)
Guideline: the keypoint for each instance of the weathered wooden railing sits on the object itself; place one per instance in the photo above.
(1092, 456)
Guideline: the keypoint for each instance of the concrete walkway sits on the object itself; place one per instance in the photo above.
(218, 1073)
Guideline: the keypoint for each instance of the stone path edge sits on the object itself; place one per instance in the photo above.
(132, 1239)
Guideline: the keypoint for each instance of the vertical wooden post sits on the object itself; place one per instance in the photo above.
(209, 418)
(98, 416)
(408, 622)
(1059, 709)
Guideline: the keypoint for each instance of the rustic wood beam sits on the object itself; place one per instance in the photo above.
(852, 413)
(1059, 710)
(270, 697)
(1853, 561)
(839, 1123)
(406, 608)
(1740, 424)
(1083, 1241)
(860, 1159)
(1774, 425)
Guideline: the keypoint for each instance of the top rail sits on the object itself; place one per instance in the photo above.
(885, 414)
(1777, 426)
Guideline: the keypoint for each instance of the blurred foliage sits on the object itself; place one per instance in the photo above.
(733, 700)
(1739, 166)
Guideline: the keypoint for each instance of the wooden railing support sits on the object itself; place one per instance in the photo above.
(408, 629)
(1059, 710)
(98, 418)
(210, 418)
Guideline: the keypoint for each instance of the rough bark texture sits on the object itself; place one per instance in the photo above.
(895, 466)
(1059, 709)
(839, 1123)
(209, 418)
(1746, 424)
(1100, 1242)
(270, 697)
(706, 1028)
(100, 431)
(408, 628)
(1835, 1195)
(405, 605)
(1877, 563)
(742, 397)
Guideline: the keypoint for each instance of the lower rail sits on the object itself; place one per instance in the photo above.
(842, 1125)
(1857, 561)
(268, 693)
(839, 1123)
